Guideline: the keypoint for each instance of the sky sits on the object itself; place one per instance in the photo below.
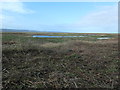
(78, 17)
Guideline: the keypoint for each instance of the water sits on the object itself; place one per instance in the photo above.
(104, 38)
(42, 36)
(55, 36)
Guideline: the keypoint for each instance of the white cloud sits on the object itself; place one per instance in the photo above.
(103, 20)
(106, 18)
(15, 7)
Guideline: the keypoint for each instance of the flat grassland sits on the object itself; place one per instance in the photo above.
(76, 62)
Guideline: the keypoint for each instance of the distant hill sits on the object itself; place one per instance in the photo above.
(16, 30)
(21, 30)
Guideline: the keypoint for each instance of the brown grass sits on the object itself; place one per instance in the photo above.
(73, 64)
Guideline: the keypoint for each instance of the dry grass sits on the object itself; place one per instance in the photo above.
(72, 63)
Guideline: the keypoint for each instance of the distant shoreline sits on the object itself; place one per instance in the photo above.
(36, 31)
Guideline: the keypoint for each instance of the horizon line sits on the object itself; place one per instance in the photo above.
(20, 30)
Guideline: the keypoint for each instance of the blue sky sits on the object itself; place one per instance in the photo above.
(81, 17)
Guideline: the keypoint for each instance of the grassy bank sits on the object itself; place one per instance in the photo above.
(82, 62)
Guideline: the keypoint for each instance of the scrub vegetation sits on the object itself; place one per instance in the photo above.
(76, 62)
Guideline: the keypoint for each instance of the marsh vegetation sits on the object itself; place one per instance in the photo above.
(74, 62)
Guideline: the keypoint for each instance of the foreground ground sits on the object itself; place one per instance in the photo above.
(83, 62)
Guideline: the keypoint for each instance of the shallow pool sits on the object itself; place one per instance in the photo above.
(55, 36)
(104, 38)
